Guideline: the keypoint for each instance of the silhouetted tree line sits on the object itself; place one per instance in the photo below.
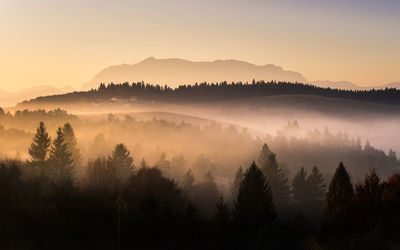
(216, 91)
(117, 205)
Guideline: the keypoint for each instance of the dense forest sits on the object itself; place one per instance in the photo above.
(117, 182)
(205, 92)
(115, 203)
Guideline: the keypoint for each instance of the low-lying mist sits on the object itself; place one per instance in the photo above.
(218, 137)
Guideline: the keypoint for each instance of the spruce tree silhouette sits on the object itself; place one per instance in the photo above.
(222, 225)
(301, 187)
(317, 185)
(60, 159)
(121, 162)
(340, 193)
(254, 210)
(187, 181)
(239, 176)
(335, 228)
(275, 176)
(70, 139)
(40, 146)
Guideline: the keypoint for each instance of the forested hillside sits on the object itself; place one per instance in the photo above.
(206, 92)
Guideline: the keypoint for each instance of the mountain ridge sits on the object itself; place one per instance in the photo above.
(176, 71)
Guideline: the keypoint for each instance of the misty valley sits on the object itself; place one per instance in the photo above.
(261, 165)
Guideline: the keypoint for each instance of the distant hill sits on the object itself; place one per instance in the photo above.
(12, 98)
(178, 71)
(126, 95)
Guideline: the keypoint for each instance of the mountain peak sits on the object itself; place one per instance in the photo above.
(176, 71)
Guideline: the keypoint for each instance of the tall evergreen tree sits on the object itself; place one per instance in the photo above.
(340, 193)
(254, 210)
(187, 181)
(275, 176)
(222, 224)
(301, 187)
(239, 176)
(121, 162)
(40, 145)
(70, 139)
(317, 185)
(61, 158)
(369, 203)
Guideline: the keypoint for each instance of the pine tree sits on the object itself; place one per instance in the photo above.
(301, 187)
(121, 162)
(275, 176)
(222, 223)
(70, 139)
(317, 185)
(340, 193)
(369, 203)
(254, 209)
(187, 181)
(40, 146)
(239, 176)
(61, 159)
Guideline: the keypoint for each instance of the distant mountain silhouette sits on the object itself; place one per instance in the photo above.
(351, 86)
(178, 71)
(12, 98)
(175, 71)
(336, 85)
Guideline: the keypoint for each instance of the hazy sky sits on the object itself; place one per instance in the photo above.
(66, 42)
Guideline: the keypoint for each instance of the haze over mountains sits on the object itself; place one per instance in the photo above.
(11, 98)
(176, 71)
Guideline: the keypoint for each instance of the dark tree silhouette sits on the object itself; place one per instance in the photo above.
(222, 222)
(254, 209)
(340, 193)
(70, 139)
(335, 229)
(275, 176)
(121, 162)
(317, 185)
(40, 145)
(60, 159)
(301, 187)
(206, 195)
(187, 181)
(239, 176)
(368, 208)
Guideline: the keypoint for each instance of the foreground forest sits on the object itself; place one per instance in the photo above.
(114, 203)
(151, 180)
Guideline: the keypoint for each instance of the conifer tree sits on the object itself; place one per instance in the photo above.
(301, 187)
(61, 158)
(121, 162)
(275, 176)
(70, 139)
(254, 209)
(317, 185)
(340, 193)
(187, 181)
(40, 145)
(222, 223)
(239, 176)
(369, 203)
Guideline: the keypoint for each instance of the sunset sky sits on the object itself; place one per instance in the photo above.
(66, 42)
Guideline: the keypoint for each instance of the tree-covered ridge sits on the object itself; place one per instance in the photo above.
(215, 92)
